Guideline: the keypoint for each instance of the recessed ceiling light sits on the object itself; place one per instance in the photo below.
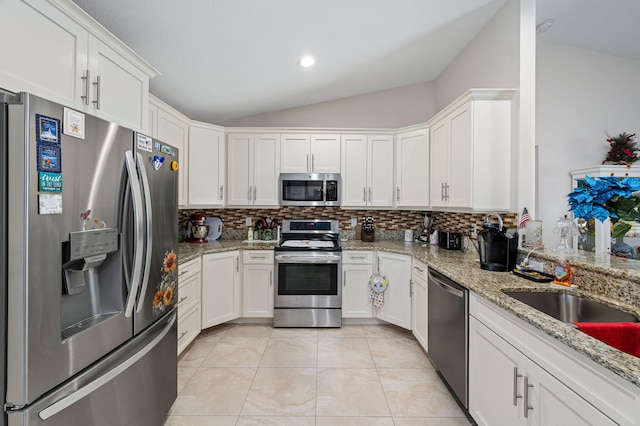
(544, 26)
(306, 61)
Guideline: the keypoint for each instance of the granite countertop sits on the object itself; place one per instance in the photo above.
(464, 268)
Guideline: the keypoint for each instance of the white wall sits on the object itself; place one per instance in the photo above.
(580, 95)
(490, 60)
(393, 108)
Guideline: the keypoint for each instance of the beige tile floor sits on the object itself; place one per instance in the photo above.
(355, 375)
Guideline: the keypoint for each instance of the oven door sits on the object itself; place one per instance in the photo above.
(308, 279)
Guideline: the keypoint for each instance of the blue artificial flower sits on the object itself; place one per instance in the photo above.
(589, 199)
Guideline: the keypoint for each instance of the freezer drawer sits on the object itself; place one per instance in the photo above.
(135, 385)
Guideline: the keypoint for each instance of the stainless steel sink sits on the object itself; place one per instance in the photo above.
(570, 307)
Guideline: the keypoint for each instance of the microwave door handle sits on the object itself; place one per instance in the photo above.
(136, 270)
(148, 219)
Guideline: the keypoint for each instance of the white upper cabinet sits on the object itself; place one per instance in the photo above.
(253, 164)
(207, 165)
(305, 153)
(471, 152)
(367, 170)
(173, 128)
(68, 58)
(412, 169)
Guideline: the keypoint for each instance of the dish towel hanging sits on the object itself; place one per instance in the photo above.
(620, 335)
(378, 284)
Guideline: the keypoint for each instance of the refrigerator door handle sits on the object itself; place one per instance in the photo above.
(146, 192)
(139, 233)
(65, 402)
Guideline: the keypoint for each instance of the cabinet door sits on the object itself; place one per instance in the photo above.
(175, 131)
(397, 297)
(325, 154)
(356, 291)
(553, 403)
(220, 288)
(266, 169)
(119, 90)
(380, 171)
(439, 172)
(419, 303)
(258, 291)
(412, 169)
(495, 378)
(295, 154)
(240, 191)
(206, 166)
(44, 52)
(460, 155)
(354, 171)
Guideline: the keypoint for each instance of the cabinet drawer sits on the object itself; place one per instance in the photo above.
(357, 257)
(188, 293)
(257, 256)
(189, 268)
(419, 272)
(188, 328)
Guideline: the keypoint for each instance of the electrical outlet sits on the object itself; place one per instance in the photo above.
(354, 222)
(536, 266)
(474, 230)
(248, 221)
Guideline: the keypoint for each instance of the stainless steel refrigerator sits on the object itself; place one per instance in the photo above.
(89, 272)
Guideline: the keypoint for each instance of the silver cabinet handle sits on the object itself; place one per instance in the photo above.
(257, 257)
(442, 191)
(308, 163)
(96, 102)
(516, 376)
(221, 191)
(526, 397)
(255, 193)
(271, 279)
(398, 193)
(313, 162)
(344, 278)
(419, 268)
(237, 264)
(184, 333)
(182, 299)
(446, 192)
(87, 80)
(249, 196)
(364, 191)
(369, 194)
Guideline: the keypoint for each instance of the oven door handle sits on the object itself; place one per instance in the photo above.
(284, 258)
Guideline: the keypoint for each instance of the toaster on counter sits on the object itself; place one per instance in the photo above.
(450, 240)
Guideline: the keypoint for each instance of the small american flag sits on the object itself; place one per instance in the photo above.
(524, 218)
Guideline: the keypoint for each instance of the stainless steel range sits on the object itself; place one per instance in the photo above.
(308, 262)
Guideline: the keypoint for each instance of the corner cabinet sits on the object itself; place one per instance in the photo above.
(310, 153)
(367, 170)
(253, 164)
(471, 152)
(357, 267)
(220, 288)
(412, 169)
(517, 376)
(87, 68)
(257, 283)
(207, 165)
(189, 319)
(397, 297)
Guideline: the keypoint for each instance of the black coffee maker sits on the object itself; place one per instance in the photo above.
(498, 248)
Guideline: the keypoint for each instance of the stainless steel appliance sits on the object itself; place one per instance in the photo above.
(450, 240)
(308, 262)
(198, 229)
(497, 247)
(309, 189)
(448, 332)
(90, 238)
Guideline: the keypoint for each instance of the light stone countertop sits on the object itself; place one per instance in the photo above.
(464, 268)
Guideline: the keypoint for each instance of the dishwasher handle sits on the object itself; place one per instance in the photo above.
(446, 287)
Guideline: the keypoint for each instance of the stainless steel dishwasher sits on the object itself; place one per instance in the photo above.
(448, 332)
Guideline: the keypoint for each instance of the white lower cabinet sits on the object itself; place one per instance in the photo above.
(357, 267)
(189, 280)
(220, 288)
(257, 283)
(397, 297)
(507, 387)
(419, 305)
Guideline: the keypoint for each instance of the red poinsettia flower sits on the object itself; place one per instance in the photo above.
(628, 152)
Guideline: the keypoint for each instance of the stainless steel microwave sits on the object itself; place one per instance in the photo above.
(309, 189)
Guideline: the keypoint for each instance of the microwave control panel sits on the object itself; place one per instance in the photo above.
(332, 190)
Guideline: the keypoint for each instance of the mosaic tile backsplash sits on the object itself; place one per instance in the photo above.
(389, 224)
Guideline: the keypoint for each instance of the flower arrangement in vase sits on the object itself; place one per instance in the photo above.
(368, 231)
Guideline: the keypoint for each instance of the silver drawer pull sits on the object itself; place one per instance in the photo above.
(184, 333)
(516, 376)
(182, 299)
(526, 406)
